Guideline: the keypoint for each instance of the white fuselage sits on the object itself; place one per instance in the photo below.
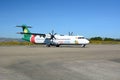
(60, 40)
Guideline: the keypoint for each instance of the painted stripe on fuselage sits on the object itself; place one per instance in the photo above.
(32, 39)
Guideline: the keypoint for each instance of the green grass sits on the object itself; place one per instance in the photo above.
(12, 43)
(104, 42)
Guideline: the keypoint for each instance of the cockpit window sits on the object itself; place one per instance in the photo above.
(80, 37)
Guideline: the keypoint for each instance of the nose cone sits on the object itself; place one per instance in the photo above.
(87, 41)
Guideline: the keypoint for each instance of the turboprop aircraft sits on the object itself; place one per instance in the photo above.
(52, 39)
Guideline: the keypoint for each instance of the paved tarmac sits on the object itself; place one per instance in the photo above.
(95, 62)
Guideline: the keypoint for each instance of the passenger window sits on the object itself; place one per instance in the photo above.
(80, 37)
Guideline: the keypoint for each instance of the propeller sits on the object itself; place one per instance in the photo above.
(52, 34)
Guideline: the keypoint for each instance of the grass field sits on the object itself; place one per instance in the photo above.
(104, 42)
(12, 43)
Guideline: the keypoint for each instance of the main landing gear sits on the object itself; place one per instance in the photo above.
(48, 45)
(83, 45)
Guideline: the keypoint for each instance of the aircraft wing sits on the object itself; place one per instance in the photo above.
(32, 34)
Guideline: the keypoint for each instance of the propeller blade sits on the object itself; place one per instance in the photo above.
(55, 33)
(52, 32)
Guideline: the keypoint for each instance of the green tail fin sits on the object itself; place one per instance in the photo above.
(25, 32)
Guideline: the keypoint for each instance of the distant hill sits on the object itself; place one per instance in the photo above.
(10, 39)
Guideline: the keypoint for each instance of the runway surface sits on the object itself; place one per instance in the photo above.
(95, 62)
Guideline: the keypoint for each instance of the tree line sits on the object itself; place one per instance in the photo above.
(104, 39)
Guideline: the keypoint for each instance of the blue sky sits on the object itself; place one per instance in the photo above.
(89, 18)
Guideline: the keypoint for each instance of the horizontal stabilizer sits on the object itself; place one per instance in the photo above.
(25, 26)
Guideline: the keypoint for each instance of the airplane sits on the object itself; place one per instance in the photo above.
(52, 39)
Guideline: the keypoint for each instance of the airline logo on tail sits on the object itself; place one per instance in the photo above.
(25, 30)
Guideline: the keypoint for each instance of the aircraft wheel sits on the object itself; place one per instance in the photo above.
(57, 45)
(48, 45)
(83, 45)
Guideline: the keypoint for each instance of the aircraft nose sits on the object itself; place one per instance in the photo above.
(87, 41)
